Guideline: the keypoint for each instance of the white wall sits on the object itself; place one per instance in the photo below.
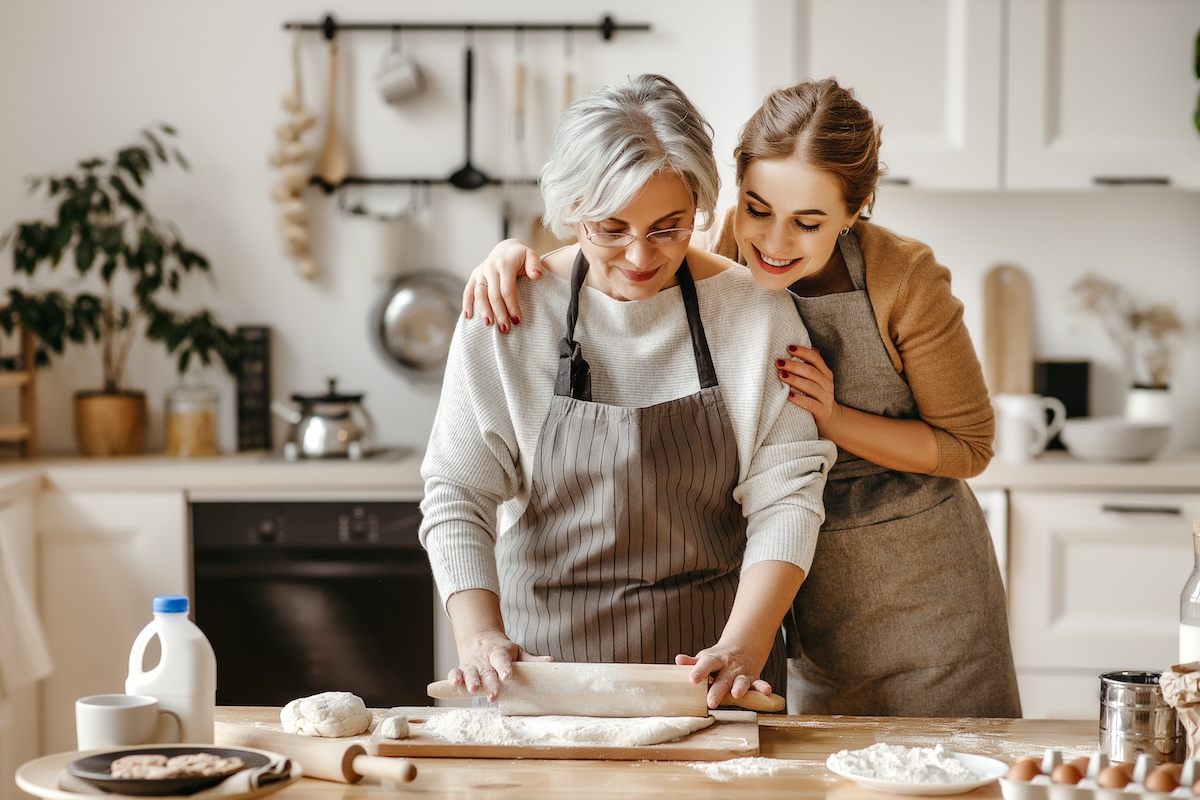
(78, 78)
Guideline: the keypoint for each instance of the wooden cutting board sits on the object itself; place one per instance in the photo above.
(1008, 331)
(733, 735)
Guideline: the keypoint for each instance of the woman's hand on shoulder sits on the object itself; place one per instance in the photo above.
(491, 291)
(728, 671)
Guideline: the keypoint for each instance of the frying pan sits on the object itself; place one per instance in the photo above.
(414, 322)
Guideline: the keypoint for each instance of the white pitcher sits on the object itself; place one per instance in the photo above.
(1022, 430)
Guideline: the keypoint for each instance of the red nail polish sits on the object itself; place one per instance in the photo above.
(792, 348)
(791, 395)
(780, 362)
(487, 320)
(782, 374)
(516, 320)
(503, 328)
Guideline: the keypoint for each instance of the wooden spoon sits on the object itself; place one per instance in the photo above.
(333, 163)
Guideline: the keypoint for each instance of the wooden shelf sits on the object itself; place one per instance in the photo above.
(23, 432)
(14, 433)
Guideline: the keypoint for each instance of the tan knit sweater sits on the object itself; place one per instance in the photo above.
(921, 325)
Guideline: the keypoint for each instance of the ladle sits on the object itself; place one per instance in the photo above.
(467, 176)
(333, 163)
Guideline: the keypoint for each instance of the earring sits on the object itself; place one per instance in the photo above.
(845, 230)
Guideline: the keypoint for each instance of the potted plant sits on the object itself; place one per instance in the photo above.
(1146, 338)
(125, 262)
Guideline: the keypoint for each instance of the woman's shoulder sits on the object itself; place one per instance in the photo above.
(887, 252)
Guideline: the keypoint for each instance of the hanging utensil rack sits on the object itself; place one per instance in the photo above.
(330, 28)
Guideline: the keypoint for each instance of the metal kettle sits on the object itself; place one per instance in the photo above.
(330, 425)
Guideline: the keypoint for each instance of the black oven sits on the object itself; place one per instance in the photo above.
(306, 596)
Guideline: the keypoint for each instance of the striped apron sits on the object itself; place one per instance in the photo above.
(904, 611)
(631, 546)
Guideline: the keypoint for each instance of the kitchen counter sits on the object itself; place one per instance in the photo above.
(801, 742)
(1057, 470)
(244, 472)
(258, 473)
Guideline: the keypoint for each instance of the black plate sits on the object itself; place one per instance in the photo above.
(97, 770)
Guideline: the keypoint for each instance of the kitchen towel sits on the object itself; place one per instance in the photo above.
(24, 654)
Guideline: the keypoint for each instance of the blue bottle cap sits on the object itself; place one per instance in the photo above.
(170, 604)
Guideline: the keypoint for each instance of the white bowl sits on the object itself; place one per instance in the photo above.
(1114, 438)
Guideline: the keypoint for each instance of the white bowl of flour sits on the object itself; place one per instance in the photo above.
(915, 770)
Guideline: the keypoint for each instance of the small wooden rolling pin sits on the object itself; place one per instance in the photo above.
(606, 690)
(326, 759)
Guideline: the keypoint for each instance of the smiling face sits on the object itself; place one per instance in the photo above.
(788, 220)
(640, 270)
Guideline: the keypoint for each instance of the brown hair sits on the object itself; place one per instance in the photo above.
(824, 125)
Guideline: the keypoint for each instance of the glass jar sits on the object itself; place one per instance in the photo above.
(191, 416)
(1189, 606)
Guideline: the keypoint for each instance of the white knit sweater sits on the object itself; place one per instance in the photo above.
(497, 390)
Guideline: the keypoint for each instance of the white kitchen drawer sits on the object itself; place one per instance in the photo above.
(1095, 577)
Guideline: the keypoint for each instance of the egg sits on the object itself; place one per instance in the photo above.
(1080, 764)
(1112, 778)
(1161, 780)
(1026, 769)
(1066, 773)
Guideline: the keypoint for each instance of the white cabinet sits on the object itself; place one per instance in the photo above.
(105, 555)
(929, 70)
(1102, 92)
(1016, 94)
(20, 718)
(1094, 583)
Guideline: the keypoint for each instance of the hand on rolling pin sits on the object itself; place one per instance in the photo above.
(726, 669)
(485, 653)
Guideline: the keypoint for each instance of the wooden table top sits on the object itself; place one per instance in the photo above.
(796, 745)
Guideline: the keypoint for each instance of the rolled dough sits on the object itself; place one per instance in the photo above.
(488, 726)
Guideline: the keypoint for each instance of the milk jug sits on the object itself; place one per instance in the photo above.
(185, 679)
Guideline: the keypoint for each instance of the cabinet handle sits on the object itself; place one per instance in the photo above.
(896, 181)
(1120, 509)
(1132, 180)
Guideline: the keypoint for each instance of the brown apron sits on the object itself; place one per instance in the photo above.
(631, 546)
(904, 611)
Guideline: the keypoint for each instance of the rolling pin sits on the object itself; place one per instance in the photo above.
(326, 759)
(606, 690)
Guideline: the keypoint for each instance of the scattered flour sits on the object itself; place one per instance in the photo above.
(902, 764)
(488, 726)
(744, 767)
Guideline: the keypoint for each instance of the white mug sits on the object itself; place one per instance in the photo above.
(1022, 430)
(398, 76)
(120, 720)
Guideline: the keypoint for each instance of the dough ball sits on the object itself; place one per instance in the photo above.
(328, 714)
(394, 727)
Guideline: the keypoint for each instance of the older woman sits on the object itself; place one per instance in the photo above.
(616, 485)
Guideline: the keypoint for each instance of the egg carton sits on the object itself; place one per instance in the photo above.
(1041, 788)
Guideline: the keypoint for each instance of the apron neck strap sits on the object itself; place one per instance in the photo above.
(574, 377)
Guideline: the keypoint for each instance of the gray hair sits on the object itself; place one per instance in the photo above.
(610, 143)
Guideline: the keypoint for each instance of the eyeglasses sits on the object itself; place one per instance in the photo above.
(659, 238)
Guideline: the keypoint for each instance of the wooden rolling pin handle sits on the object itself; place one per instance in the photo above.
(324, 759)
(386, 769)
(446, 690)
(756, 701)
